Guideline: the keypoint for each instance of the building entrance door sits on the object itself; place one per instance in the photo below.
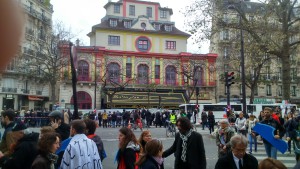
(8, 103)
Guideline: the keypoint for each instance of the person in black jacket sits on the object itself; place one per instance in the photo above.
(47, 146)
(58, 125)
(237, 158)
(24, 151)
(90, 133)
(278, 132)
(188, 147)
(152, 158)
(129, 149)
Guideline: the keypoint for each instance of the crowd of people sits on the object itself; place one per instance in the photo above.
(68, 144)
(284, 128)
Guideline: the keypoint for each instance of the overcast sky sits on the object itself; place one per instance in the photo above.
(82, 15)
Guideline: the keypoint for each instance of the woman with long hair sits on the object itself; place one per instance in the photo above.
(129, 149)
(152, 157)
(144, 138)
(47, 146)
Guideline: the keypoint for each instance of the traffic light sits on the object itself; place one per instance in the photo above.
(228, 78)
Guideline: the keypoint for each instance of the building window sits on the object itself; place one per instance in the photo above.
(226, 55)
(168, 28)
(113, 40)
(293, 74)
(113, 22)
(143, 25)
(268, 73)
(42, 33)
(269, 90)
(279, 90)
(293, 91)
(198, 74)
(170, 75)
(157, 71)
(143, 74)
(143, 44)
(279, 73)
(149, 12)
(170, 44)
(131, 10)
(128, 70)
(127, 24)
(225, 17)
(163, 14)
(113, 72)
(157, 27)
(116, 8)
(83, 71)
(11, 65)
(224, 35)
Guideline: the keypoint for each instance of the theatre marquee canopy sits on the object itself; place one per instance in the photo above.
(146, 99)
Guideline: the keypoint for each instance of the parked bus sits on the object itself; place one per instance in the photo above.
(256, 108)
(219, 110)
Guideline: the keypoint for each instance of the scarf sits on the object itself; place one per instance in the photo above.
(184, 144)
(159, 160)
(52, 158)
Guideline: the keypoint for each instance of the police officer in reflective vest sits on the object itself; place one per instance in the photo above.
(173, 117)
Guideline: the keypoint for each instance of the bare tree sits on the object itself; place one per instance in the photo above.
(273, 26)
(47, 60)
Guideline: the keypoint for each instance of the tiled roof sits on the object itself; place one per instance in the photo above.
(120, 26)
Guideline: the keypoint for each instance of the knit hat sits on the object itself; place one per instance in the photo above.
(19, 126)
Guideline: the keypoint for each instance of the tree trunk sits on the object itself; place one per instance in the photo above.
(286, 76)
(252, 90)
(53, 95)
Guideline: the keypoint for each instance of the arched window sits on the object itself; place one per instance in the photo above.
(170, 75)
(84, 100)
(198, 76)
(83, 71)
(143, 74)
(113, 72)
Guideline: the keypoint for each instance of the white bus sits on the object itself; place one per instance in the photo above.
(256, 108)
(219, 110)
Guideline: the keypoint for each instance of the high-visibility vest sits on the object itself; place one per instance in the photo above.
(173, 118)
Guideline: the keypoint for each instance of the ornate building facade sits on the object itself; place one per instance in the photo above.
(137, 58)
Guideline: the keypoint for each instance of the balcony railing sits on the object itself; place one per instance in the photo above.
(9, 89)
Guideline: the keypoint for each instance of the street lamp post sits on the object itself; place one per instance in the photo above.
(240, 10)
(243, 64)
(74, 82)
(95, 83)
